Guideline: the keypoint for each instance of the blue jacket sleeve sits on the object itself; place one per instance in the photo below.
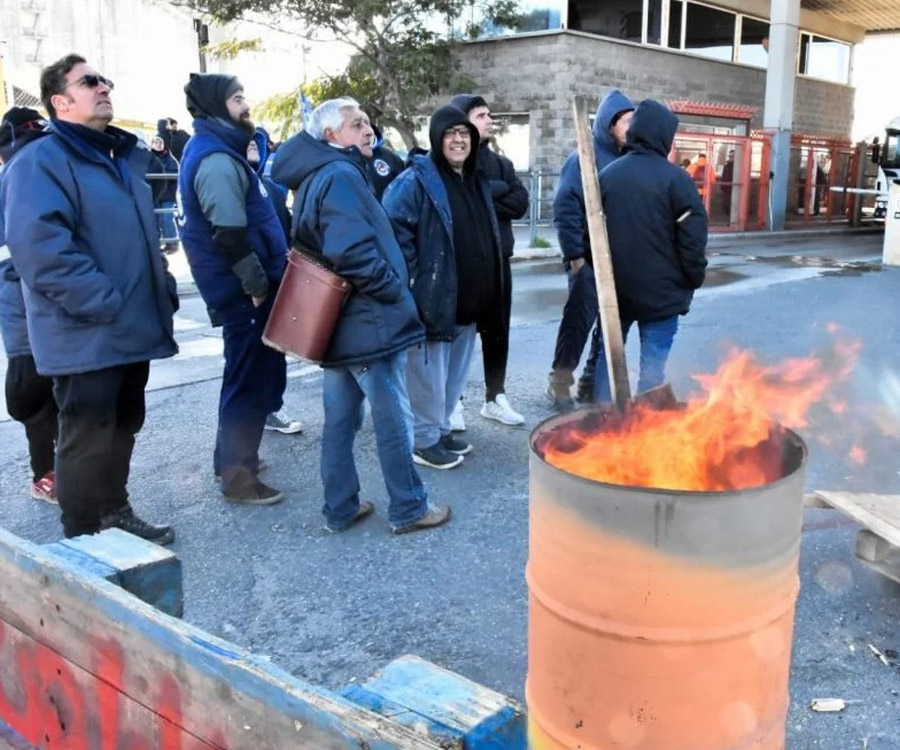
(349, 242)
(401, 201)
(569, 211)
(692, 226)
(40, 212)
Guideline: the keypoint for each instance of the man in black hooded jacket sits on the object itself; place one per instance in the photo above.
(510, 199)
(657, 228)
(444, 219)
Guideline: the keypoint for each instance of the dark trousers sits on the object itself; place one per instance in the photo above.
(100, 412)
(29, 400)
(494, 330)
(253, 381)
(579, 314)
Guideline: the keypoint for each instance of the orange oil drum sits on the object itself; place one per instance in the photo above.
(660, 619)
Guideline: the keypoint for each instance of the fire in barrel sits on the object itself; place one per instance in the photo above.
(663, 565)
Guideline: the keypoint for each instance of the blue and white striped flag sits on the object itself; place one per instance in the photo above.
(306, 108)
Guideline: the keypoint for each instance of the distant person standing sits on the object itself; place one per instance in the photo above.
(174, 138)
(98, 299)
(29, 395)
(510, 199)
(164, 191)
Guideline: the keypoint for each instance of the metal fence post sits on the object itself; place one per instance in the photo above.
(535, 205)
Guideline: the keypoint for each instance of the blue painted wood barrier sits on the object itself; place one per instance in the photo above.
(85, 665)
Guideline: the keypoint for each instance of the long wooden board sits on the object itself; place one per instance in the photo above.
(880, 513)
(610, 324)
(139, 676)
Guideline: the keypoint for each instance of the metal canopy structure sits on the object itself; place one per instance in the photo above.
(872, 15)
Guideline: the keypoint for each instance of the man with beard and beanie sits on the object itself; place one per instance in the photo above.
(510, 202)
(657, 228)
(236, 248)
(82, 235)
(29, 395)
(338, 220)
(444, 219)
(570, 219)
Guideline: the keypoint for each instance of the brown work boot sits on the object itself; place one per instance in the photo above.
(435, 515)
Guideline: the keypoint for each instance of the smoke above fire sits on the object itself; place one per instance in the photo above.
(729, 435)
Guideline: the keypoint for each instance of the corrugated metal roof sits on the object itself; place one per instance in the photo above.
(872, 15)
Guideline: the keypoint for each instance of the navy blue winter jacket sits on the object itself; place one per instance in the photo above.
(337, 217)
(655, 220)
(12, 304)
(218, 285)
(82, 235)
(568, 205)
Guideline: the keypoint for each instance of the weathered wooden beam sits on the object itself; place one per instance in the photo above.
(69, 637)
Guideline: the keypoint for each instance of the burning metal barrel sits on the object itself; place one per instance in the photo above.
(661, 619)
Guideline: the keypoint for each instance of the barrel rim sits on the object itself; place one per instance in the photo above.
(699, 495)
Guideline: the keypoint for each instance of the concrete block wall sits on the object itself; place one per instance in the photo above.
(539, 74)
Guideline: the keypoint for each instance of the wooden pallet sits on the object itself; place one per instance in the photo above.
(878, 544)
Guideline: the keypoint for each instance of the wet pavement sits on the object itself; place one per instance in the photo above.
(334, 608)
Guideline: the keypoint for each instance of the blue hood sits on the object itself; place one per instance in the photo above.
(612, 104)
(652, 128)
(300, 156)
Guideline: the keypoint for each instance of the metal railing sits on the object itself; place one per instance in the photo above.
(541, 189)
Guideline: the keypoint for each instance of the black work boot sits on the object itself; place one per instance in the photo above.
(126, 520)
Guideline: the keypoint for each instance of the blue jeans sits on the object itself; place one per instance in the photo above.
(656, 343)
(383, 382)
(168, 232)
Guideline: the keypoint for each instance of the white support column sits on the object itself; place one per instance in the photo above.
(784, 36)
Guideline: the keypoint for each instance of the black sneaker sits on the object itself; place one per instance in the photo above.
(436, 515)
(436, 457)
(256, 494)
(585, 393)
(455, 445)
(126, 520)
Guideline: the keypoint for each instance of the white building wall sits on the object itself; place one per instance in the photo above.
(876, 65)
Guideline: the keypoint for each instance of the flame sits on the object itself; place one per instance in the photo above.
(728, 436)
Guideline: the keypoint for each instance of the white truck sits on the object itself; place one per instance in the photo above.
(887, 156)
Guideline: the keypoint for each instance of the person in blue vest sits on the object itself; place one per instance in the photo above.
(81, 232)
(570, 218)
(237, 252)
(29, 395)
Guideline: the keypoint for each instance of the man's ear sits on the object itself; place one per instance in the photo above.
(60, 102)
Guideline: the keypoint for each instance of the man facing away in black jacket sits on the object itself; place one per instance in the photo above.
(510, 199)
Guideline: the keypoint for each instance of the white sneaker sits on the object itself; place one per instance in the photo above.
(457, 421)
(283, 424)
(500, 410)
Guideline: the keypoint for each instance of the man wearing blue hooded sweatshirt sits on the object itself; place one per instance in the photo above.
(237, 252)
(569, 217)
(657, 229)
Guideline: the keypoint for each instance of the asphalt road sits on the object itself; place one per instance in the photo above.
(333, 609)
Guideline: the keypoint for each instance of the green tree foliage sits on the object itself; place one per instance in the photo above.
(402, 49)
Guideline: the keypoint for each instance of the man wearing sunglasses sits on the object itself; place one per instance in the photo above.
(99, 302)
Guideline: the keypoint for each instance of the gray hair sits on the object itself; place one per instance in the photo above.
(329, 116)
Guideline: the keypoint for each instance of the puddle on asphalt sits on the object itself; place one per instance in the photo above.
(832, 267)
(722, 277)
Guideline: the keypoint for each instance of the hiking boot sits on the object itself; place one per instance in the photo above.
(435, 515)
(282, 423)
(500, 411)
(261, 466)
(45, 488)
(585, 393)
(365, 510)
(126, 520)
(256, 494)
(457, 420)
(455, 445)
(436, 457)
(560, 401)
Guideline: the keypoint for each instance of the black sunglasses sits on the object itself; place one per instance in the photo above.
(91, 81)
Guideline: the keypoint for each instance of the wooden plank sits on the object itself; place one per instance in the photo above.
(880, 513)
(451, 710)
(872, 548)
(150, 572)
(889, 568)
(610, 324)
(210, 689)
